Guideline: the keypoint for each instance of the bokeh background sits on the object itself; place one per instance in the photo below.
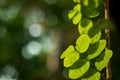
(33, 34)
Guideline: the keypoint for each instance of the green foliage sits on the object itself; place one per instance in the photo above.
(88, 57)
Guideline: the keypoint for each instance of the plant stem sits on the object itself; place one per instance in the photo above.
(107, 32)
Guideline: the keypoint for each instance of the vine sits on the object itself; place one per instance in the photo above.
(108, 68)
(92, 53)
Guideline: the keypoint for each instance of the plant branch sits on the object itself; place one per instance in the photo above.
(107, 32)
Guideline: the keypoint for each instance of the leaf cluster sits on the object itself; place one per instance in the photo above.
(88, 57)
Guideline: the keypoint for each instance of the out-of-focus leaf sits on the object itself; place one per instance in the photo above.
(94, 3)
(85, 2)
(77, 1)
(104, 24)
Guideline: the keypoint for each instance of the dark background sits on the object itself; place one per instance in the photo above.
(115, 38)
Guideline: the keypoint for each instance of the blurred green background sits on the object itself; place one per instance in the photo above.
(33, 34)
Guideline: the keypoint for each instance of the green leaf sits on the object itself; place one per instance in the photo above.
(82, 43)
(95, 49)
(92, 74)
(76, 19)
(85, 25)
(104, 24)
(77, 8)
(71, 58)
(103, 59)
(69, 50)
(77, 1)
(94, 34)
(71, 14)
(79, 68)
(91, 13)
(85, 2)
(94, 3)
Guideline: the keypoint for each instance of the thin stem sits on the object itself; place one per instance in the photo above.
(107, 31)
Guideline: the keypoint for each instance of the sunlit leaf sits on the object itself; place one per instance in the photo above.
(91, 13)
(95, 49)
(71, 58)
(94, 34)
(103, 59)
(77, 8)
(69, 50)
(76, 19)
(82, 43)
(71, 14)
(85, 25)
(85, 2)
(77, 1)
(79, 68)
(104, 24)
(92, 74)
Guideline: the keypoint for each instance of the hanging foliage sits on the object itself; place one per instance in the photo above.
(88, 57)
